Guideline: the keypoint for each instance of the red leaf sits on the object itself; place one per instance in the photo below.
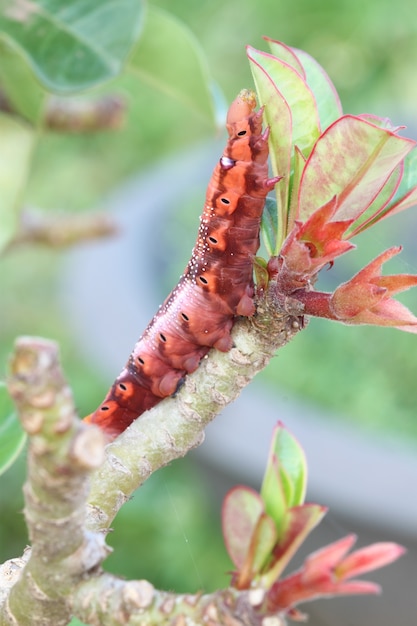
(366, 298)
(326, 572)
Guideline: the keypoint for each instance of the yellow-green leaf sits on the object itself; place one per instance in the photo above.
(16, 142)
(169, 57)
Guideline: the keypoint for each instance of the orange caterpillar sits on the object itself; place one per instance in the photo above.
(217, 284)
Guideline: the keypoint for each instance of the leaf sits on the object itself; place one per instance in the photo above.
(285, 475)
(368, 559)
(353, 159)
(72, 45)
(242, 508)
(291, 114)
(12, 437)
(299, 523)
(366, 297)
(299, 163)
(283, 52)
(19, 84)
(406, 195)
(325, 94)
(274, 492)
(169, 57)
(260, 551)
(382, 122)
(380, 205)
(278, 117)
(263, 542)
(15, 153)
(296, 93)
(269, 225)
(326, 97)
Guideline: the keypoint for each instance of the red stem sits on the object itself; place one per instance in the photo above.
(316, 303)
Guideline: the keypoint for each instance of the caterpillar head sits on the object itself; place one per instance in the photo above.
(238, 121)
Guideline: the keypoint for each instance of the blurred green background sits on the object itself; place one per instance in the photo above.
(365, 375)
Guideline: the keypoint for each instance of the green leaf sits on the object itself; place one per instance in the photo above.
(274, 492)
(352, 160)
(326, 97)
(285, 479)
(169, 57)
(16, 145)
(12, 437)
(242, 508)
(262, 545)
(72, 45)
(19, 84)
(269, 225)
(299, 163)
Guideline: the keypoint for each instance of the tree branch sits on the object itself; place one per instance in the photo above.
(61, 576)
(177, 424)
(76, 115)
(111, 602)
(61, 229)
(62, 454)
(82, 115)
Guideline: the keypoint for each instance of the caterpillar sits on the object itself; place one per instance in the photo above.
(217, 284)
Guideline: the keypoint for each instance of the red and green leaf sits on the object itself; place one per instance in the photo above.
(360, 160)
(242, 508)
(327, 572)
(299, 521)
(325, 94)
(352, 160)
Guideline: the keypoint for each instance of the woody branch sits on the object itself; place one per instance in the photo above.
(60, 576)
(62, 453)
(60, 230)
(176, 425)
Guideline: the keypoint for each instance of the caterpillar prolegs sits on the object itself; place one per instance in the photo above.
(217, 284)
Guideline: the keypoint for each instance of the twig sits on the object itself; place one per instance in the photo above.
(82, 115)
(76, 115)
(61, 230)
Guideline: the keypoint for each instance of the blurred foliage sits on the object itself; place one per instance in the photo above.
(369, 50)
(72, 46)
(169, 533)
